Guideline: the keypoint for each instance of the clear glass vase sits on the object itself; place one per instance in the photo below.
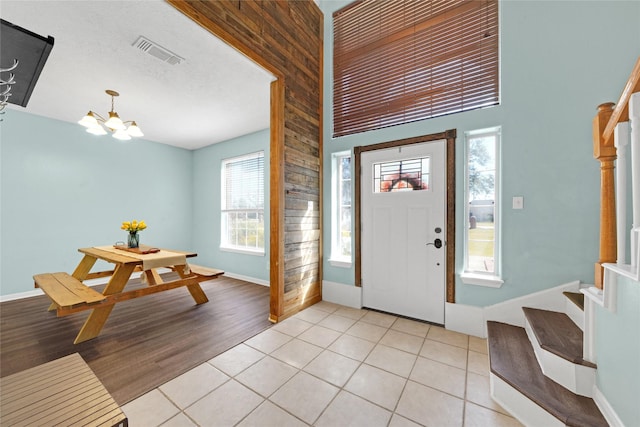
(134, 240)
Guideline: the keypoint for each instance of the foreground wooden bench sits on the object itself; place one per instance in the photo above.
(62, 392)
(66, 292)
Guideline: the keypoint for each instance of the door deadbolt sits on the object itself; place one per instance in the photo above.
(437, 243)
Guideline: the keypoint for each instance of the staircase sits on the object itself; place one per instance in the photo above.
(538, 373)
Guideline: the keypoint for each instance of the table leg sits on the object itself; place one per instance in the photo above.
(153, 277)
(86, 264)
(195, 290)
(96, 320)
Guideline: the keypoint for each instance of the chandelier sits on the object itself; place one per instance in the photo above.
(96, 124)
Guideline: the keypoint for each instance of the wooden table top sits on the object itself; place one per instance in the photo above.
(117, 258)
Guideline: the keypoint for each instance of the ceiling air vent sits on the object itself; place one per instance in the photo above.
(154, 49)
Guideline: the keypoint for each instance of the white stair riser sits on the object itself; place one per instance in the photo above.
(575, 313)
(578, 379)
(518, 405)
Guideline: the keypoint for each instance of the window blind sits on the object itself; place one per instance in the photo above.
(401, 61)
(244, 182)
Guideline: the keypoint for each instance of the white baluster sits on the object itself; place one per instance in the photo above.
(634, 117)
(621, 141)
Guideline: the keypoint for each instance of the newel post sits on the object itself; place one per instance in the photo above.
(605, 152)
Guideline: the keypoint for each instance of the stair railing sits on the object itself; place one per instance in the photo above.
(615, 132)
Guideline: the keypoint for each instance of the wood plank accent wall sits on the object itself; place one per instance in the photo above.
(286, 38)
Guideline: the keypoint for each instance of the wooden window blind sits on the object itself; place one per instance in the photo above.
(401, 61)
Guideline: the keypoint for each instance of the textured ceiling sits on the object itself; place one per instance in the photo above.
(213, 95)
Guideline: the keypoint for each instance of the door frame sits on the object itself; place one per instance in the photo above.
(450, 176)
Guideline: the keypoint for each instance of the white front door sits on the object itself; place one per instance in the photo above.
(403, 214)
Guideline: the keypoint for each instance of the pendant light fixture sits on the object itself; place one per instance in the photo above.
(96, 124)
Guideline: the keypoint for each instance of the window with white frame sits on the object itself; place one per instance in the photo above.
(482, 208)
(341, 209)
(243, 203)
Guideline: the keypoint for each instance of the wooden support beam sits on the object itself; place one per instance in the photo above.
(110, 300)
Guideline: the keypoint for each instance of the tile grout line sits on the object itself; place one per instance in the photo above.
(362, 362)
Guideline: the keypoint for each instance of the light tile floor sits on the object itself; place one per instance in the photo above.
(334, 366)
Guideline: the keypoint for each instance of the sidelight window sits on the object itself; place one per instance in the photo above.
(482, 208)
(341, 210)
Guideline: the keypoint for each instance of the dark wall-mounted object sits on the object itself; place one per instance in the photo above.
(31, 50)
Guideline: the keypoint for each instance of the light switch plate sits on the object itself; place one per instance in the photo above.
(518, 202)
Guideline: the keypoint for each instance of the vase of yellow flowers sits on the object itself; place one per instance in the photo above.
(133, 227)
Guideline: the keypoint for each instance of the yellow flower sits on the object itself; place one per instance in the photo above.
(133, 226)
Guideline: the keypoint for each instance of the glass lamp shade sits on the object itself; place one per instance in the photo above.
(134, 130)
(122, 135)
(114, 122)
(89, 120)
(97, 130)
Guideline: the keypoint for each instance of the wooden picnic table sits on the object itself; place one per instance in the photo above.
(69, 294)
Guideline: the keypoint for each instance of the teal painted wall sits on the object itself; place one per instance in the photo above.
(559, 60)
(206, 206)
(618, 352)
(63, 189)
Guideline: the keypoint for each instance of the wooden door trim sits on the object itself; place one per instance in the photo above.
(276, 203)
(450, 137)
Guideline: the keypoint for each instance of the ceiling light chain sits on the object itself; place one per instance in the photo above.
(94, 122)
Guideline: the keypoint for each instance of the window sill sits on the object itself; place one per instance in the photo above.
(486, 280)
(340, 263)
(257, 252)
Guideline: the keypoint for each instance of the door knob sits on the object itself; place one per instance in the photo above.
(437, 243)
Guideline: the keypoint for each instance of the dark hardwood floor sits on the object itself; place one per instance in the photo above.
(145, 342)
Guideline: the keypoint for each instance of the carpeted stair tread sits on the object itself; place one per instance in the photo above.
(512, 359)
(576, 297)
(557, 333)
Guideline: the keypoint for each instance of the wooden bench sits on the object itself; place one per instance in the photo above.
(202, 273)
(205, 273)
(66, 292)
(61, 392)
(69, 295)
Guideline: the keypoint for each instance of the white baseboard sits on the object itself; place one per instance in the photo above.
(466, 319)
(511, 311)
(21, 295)
(247, 279)
(472, 320)
(339, 293)
(607, 410)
